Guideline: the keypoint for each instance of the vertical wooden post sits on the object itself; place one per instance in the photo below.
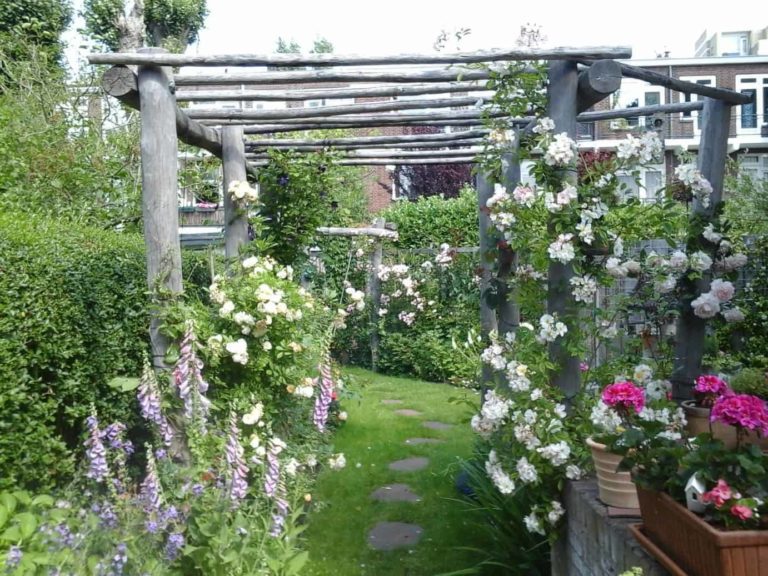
(374, 291)
(487, 314)
(160, 205)
(713, 153)
(562, 104)
(233, 161)
(508, 312)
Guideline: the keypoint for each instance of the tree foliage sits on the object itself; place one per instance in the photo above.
(172, 24)
(33, 23)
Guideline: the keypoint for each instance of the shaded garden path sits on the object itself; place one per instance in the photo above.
(382, 440)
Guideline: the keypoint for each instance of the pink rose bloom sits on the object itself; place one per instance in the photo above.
(743, 410)
(710, 384)
(583, 366)
(719, 495)
(624, 395)
(742, 512)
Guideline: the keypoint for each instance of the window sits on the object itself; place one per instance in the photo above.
(645, 185)
(753, 115)
(735, 44)
(315, 103)
(634, 94)
(691, 115)
(754, 165)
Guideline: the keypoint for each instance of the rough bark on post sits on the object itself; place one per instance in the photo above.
(562, 98)
(374, 291)
(508, 313)
(159, 151)
(235, 218)
(487, 314)
(713, 153)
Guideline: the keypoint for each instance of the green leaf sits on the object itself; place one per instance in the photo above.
(3, 516)
(8, 501)
(43, 500)
(28, 524)
(12, 535)
(295, 564)
(124, 383)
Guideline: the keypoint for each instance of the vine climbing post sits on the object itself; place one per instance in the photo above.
(159, 157)
(508, 312)
(374, 292)
(487, 314)
(235, 217)
(562, 96)
(713, 153)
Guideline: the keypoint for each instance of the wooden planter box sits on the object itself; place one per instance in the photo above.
(695, 547)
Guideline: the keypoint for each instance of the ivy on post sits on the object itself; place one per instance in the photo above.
(487, 315)
(691, 329)
(235, 216)
(562, 108)
(159, 157)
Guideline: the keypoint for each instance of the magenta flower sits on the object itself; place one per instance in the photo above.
(719, 495)
(742, 410)
(324, 398)
(188, 377)
(238, 471)
(742, 512)
(583, 366)
(709, 388)
(624, 397)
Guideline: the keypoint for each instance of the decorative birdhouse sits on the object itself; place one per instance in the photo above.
(694, 489)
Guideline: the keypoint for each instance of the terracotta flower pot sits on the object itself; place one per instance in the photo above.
(615, 487)
(697, 548)
(698, 423)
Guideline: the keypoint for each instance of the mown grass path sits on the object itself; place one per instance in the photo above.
(375, 435)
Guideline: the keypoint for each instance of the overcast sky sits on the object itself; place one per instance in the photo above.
(393, 26)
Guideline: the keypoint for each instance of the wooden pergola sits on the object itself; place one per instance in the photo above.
(578, 78)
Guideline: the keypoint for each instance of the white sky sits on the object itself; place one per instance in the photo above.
(394, 26)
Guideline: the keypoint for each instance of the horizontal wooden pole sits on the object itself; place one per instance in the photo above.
(373, 232)
(121, 82)
(177, 60)
(405, 145)
(327, 93)
(326, 111)
(393, 153)
(280, 128)
(730, 96)
(312, 76)
(394, 139)
(388, 161)
(639, 111)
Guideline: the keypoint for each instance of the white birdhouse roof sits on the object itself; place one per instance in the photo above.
(695, 484)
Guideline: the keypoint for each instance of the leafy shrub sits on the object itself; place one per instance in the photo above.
(73, 314)
(750, 381)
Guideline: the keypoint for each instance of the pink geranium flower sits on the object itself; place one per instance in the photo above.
(710, 384)
(742, 512)
(742, 410)
(719, 495)
(624, 396)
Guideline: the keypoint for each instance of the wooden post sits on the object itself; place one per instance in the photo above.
(374, 291)
(508, 313)
(235, 218)
(487, 315)
(562, 98)
(713, 153)
(597, 82)
(160, 205)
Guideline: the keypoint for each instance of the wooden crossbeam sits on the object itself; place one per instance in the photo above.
(403, 145)
(328, 93)
(394, 153)
(177, 60)
(388, 161)
(394, 139)
(325, 111)
(379, 119)
(372, 232)
(639, 111)
(280, 128)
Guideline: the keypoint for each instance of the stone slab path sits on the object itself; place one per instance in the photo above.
(437, 425)
(395, 493)
(392, 535)
(410, 464)
(391, 401)
(408, 412)
(417, 441)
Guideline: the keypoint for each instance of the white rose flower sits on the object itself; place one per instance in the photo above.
(706, 306)
(733, 315)
(700, 261)
(722, 289)
(238, 350)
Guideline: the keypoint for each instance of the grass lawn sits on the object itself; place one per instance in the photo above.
(343, 511)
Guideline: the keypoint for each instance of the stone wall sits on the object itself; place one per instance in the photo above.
(594, 544)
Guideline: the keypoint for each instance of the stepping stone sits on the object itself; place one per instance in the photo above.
(410, 464)
(391, 401)
(392, 535)
(437, 425)
(415, 441)
(395, 493)
(407, 412)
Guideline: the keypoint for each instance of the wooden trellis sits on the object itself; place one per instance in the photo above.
(578, 79)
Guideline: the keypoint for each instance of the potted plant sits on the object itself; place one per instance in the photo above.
(630, 419)
(726, 539)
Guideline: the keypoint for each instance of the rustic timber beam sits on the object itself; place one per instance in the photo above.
(729, 96)
(312, 76)
(178, 60)
(387, 161)
(374, 232)
(278, 128)
(121, 82)
(639, 111)
(325, 111)
(393, 153)
(598, 82)
(394, 139)
(328, 93)
(404, 145)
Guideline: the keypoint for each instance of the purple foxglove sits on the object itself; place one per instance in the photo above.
(151, 490)
(324, 397)
(150, 403)
(98, 470)
(189, 378)
(237, 470)
(272, 479)
(280, 513)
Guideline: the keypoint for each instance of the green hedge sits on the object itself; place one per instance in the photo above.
(73, 314)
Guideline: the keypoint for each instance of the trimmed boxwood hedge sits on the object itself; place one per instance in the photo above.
(73, 314)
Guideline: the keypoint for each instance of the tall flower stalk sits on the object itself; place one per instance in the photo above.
(280, 513)
(237, 469)
(151, 405)
(272, 479)
(98, 470)
(188, 377)
(323, 399)
(151, 490)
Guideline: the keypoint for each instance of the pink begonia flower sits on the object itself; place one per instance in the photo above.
(742, 512)
(742, 410)
(623, 395)
(719, 495)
